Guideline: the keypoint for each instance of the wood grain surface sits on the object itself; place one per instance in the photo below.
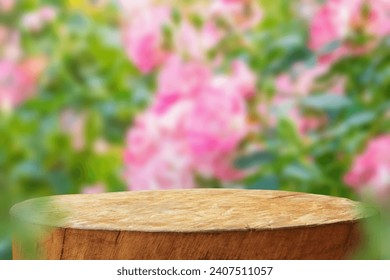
(191, 224)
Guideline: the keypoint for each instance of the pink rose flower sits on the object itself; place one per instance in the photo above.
(244, 79)
(10, 48)
(48, 14)
(167, 166)
(338, 20)
(183, 134)
(371, 169)
(131, 7)
(154, 158)
(144, 38)
(18, 81)
(210, 133)
(94, 189)
(234, 1)
(286, 107)
(244, 14)
(290, 88)
(183, 79)
(331, 22)
(307, 8)
(101, 146)
(7, 5)
(303, 80)
(194, 43)
(73, 124)
(36, 20)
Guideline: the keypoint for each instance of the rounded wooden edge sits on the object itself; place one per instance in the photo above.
(58, 221)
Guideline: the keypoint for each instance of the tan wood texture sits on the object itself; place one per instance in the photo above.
(191, 224)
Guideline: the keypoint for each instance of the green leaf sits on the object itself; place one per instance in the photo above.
(289, 135)
(27, 169)
(254, 160)
(5, 249)
(331, 47)
(298, 171)
(360, 119)
(384, 107)
(326, 102)
(60, 181)
(176, 16)
(269, 182)
(352, 122)
(311, 61)
(289, 41)
(93, 127)
(78, 22)
(196, 20)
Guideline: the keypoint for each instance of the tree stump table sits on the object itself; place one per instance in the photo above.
(190, 224)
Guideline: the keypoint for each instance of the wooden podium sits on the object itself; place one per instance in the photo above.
(198, 224)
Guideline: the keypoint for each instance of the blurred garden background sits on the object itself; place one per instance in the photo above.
(104, 96)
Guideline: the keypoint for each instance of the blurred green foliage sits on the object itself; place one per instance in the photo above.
(89, 75)
(317, 162)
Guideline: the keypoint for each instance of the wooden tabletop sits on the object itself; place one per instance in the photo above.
(196, 210)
